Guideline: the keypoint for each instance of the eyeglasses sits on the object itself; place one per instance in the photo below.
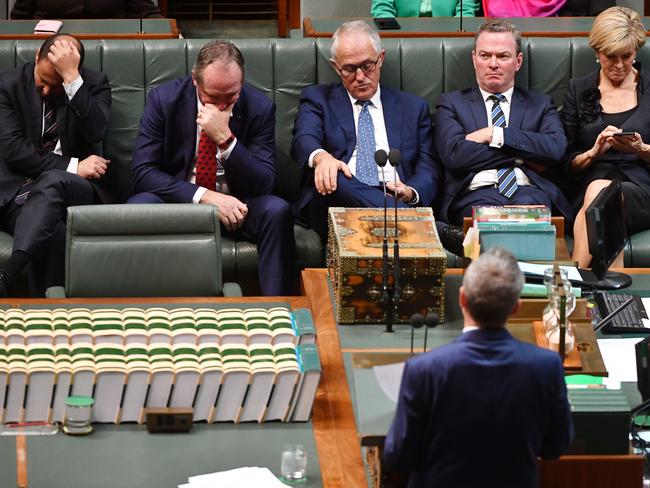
(351, 69)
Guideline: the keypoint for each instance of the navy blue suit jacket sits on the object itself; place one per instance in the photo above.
(534, 134)
(165, 147)
(478, 412)
(325, 120)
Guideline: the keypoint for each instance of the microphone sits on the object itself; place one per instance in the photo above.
(606, 320)
(431, 321)
(417, 321)
(394, 157)
(381, 158)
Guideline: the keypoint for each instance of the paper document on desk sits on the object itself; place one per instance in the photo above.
(619, 357)
(389, 377)
(538, 270)
(236, 478)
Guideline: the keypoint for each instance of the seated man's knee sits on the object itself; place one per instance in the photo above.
(276, 207)
(145, 197)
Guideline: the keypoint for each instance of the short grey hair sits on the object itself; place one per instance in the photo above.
(499, 25)
(356, 27)
(492, 285)
(223, 51)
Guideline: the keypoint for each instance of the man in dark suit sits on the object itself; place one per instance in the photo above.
(209, 138)
(479, 411)
(54, 112)
(497, 141)
(80, 9)
(339, 127)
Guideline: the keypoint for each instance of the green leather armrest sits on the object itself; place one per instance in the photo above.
(143, 250)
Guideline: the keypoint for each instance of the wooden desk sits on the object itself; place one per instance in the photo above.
(449, 26)
(334, 398)
(96, 29)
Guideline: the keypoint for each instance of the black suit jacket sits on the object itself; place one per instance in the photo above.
(534, 135)
(82, 124)
(582, 123)
(89, 9)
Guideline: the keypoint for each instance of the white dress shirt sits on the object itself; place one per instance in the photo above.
(70, 90)
(489, 177)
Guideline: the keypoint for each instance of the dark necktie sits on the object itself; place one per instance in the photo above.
(50, 134)
(507, 180)
(366, 171)
(49, 139)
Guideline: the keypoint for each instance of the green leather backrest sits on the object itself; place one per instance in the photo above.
(281, 68)
(117, 250)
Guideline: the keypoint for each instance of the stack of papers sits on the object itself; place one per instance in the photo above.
(235, 478)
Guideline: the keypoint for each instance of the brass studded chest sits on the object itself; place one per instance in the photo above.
(355, 263)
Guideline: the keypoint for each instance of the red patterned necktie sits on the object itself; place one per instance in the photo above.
(206, 162)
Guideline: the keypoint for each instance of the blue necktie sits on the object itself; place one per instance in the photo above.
(366, 171)
(507, 180)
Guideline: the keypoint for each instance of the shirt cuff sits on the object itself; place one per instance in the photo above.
(73, 166)
(497, 137)
(226, 154)
(71, 89)
(198, 194)
(310, 161)
(416, 198)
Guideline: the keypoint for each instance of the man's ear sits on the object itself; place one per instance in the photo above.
(462, 299)
(516, 307)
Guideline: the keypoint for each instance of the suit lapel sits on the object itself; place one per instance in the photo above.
(340, 102)
(34, 113)
(189, 130)
(517, 109)
(393, 120)
(477, 108)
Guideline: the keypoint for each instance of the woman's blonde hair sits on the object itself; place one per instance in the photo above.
(617, 30)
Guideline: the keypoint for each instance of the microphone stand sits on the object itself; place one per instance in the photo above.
(460, 27)
(381, 158)
(393, 157)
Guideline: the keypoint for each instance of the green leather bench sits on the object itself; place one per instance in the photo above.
(281, 68)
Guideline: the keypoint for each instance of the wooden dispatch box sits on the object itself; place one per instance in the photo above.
(355, 263)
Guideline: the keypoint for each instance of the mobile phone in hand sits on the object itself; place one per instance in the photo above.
(628, 133)
(387, 23)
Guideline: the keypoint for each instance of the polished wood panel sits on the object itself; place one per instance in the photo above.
(592, 472)
(332, 418)
(27, 34)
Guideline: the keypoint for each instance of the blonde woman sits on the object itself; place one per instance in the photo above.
(597, 108)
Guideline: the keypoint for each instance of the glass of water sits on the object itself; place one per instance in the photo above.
(294, 462)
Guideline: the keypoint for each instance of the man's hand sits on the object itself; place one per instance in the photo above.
(93, 167)
(400, 191)
(326, 168)
(232, 212)
(481, 136)
(65, 58)
(214, 122)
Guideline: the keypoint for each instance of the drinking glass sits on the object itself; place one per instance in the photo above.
(294, 462)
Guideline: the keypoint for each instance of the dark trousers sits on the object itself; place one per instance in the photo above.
(349, 193)
(269, 224)
(525, 195)
(38, 225)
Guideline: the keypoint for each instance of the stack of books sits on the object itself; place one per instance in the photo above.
(228, 365)
(526, 231)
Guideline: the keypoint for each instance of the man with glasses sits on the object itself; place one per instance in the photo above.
(54, 112)
(497, 142)
(339, 127)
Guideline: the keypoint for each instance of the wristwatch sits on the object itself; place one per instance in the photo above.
(226, 144)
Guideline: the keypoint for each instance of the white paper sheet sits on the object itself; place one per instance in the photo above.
(619, 357)
(236, 478)
(389, 377)
(538, 269)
